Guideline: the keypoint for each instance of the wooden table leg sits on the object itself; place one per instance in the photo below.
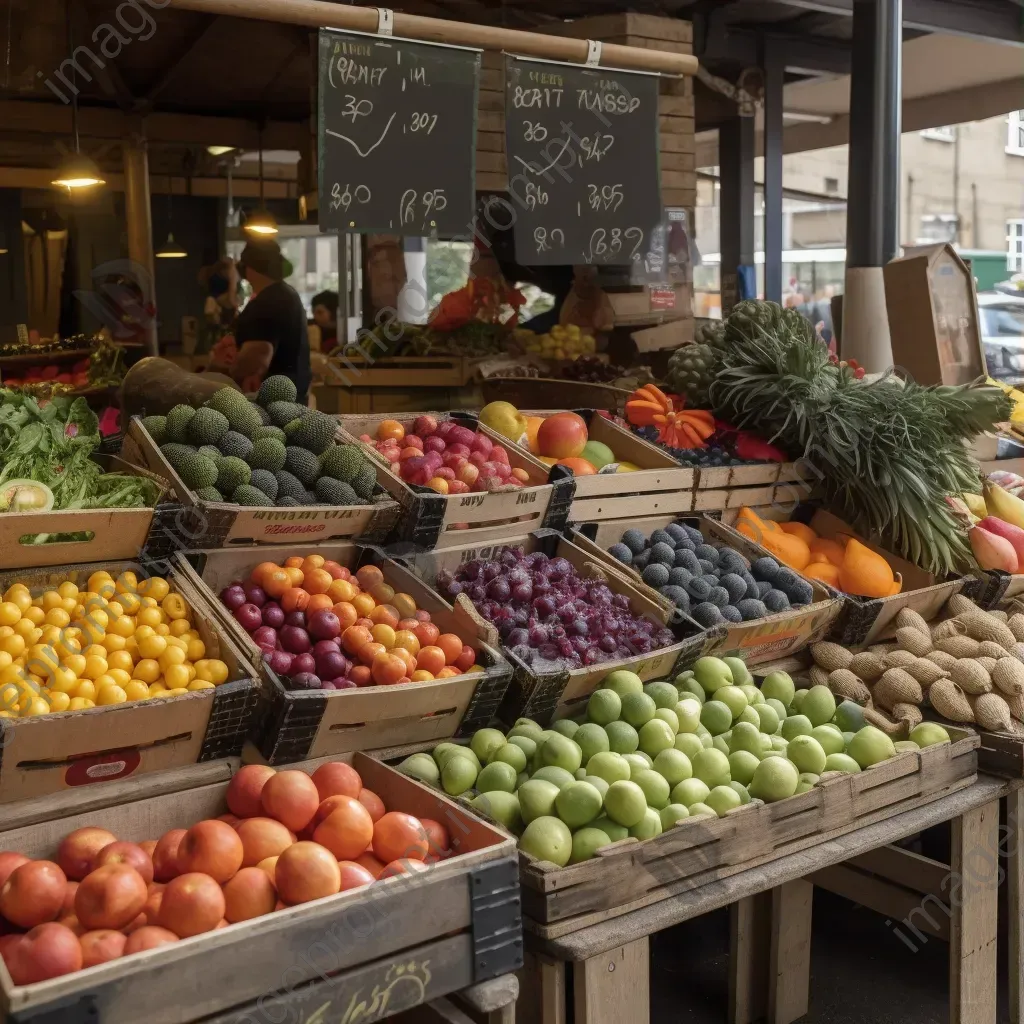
(974, 900)
(1015, 869)
(541, 990)
(615, 987)
(749, 958)
(789, 973)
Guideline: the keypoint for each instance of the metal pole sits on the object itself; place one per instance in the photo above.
(774, 80)
(872, 212)
(140, 227)
(736, 147)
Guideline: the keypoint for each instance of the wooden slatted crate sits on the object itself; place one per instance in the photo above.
(414, 937)
(629, 875)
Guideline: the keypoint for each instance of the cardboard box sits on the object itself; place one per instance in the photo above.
(546, 694)
(758, 640)
(393, 944)
(105, 534)
(50, 753)
(430, 519)
(212, 524)
(300, 724)
(864, 620)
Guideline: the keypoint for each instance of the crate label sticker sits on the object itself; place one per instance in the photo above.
(105, 768)
(279, 516)
(293, 529)
(663, 298)
(472, 501)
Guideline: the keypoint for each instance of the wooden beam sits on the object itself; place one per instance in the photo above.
(159, 184)
(181, 129)
(107, 76)
(318, 13)
(191, 45)
(139, 220)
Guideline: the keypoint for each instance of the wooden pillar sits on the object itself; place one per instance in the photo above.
(774, 81)
(614, 987)
(750, 929)
(736, 211)
(789, 977)
(1015, 889)
(972, 945)
(140, 226)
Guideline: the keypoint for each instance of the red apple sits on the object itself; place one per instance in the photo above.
(78, 850)
(126, 853)
(244, 790)
(100, 946)
(562, 436)
(112, 896)
(165, 856)
(47, 951)
(33, 893)
(8, 862)
(212, 848)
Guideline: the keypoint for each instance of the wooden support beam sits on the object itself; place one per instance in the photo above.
(1015, 889)
(192, 44)
(749, 957)
(185, 129)
(318, 13)
(615, 986)
(159, 184)
(789, 973)
(138, 215)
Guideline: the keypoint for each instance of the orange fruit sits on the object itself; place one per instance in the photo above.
(405, 604)
(294, 562)
(316, 581)
(399, 835)
(431, 659)
(426, 632)
(312, 562)
(824, 571)
(381, 592)
(447, 671)
(384, 634)
(346, 614)
(295, 575)
(579, 466)
(341, 590)
(319, 603)
(369, 651)
(386, 613)
(801, 530)
(824, 549)
(354, 638)
(262, 570)
(334, 569)
(407, 659)
(276, 583)
(390, 428)
(368, 575)
(421, 676)
(532, 426)
(405, 638)
(363, 604)
(451, 645)
(294, 599)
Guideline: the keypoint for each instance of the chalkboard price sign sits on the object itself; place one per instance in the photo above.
(582, 146)
(396, 135)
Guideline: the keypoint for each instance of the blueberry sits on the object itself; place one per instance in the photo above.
(719, 596)
(731, 613)
(751, 609)
(664, 553)
(655, 575)
(622, 553)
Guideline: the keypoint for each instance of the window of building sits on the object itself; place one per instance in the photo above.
(831, 185)
(936, 228)
(1015, 136)
(945, 133)
(1015, 246)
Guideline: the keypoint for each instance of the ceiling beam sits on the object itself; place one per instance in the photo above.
(159, 184)
(107, 76)
(171, 70)
(180, 129)
(994, 20)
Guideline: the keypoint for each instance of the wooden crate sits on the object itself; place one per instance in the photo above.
(112, 533)
(415, 937)
(66, 750)
(302, 724)
(440, 371)
(430, 519)
(213, 524)
(660, 486)
(629, 875)
(755, 641)
(863, 621)
(560, 693)
(549, 393)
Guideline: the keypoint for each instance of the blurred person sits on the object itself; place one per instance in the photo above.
(325, 317)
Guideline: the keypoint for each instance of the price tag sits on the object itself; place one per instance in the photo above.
(582, 148)
(396, 135)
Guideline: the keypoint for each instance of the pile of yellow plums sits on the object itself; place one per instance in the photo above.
(116, 641)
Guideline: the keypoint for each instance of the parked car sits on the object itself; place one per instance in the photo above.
(1002, 334)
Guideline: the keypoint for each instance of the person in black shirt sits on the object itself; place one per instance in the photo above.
(271, 330)
(325, 316)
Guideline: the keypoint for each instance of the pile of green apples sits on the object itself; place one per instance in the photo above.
(647, 757)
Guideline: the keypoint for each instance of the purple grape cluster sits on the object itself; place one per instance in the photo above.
(548, 615)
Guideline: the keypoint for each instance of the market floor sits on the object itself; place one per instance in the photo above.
(860, 972)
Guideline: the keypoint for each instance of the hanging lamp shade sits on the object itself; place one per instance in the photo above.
(171, 250)
(261, 223)
(78, 171)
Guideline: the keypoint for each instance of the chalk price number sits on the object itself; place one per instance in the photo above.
(548, 241)
(343, 196)
(414, 205)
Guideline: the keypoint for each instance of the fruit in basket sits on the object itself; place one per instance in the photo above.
(505, 419)
(69, 649)
(546, 613)
(562, 435)
(322, 627)
(111, 896)
(563, 341)
(245, 791)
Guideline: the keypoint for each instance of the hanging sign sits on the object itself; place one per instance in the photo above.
(396, 135)
(582, 147)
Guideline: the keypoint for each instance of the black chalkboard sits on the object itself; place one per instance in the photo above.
(396, 135)
(582, 146)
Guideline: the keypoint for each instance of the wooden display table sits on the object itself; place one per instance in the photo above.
(771, 925)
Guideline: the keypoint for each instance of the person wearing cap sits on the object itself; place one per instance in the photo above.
(271, 331)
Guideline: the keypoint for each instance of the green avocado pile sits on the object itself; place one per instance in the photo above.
(263, 453)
